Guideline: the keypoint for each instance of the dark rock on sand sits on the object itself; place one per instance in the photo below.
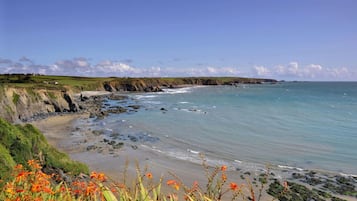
(135, 107)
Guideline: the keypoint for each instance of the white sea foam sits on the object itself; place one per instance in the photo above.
(348, 175)
(184, 102)
(178, 91)
(193, 151)
(290, 167)
(152, 102)
(144, 96)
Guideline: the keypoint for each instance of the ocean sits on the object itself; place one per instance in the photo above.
(289, 125)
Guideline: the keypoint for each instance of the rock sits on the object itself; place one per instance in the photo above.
(118, 145)
(98, 132)
(117, 110)
(133, 138)
(107, 87)
(91, 147)
(91, 115)
(135, 107)
(117, 97)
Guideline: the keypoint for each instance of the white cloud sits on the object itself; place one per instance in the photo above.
(108, 68)
(261, 71)
(293, 68)
(308, 72)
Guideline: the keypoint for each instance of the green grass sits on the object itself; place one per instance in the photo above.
(33, 95)
(18, 144)
(52, 95)
(15, 98)
(94, 83)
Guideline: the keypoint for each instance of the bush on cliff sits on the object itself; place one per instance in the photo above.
(18, 144)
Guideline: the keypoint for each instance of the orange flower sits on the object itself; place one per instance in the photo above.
(171, 182)
(149, 175)
(224, 177)
(47, 190)
(233, 186)
(91, 188)
(101, 177)
(19, 167)
(19, 190)
(9, 188)
(174, 184)
(34, 164)
(22, 175)
(223, 168)
(36, 188)
(93, 175)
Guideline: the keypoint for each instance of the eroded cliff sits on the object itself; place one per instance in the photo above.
(23, 103)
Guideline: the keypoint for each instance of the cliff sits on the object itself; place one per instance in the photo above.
(23, 103)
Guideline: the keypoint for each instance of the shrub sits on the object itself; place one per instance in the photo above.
(15, 98)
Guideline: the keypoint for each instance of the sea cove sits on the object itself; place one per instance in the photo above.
(253, 130)
(305, 125)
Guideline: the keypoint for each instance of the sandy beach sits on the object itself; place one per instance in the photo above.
(66, 134)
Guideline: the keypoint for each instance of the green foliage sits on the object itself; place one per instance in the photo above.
(33, 95)
(15, 98)
(22, 143)
(9, 110)
(52, 95)
(6, 161)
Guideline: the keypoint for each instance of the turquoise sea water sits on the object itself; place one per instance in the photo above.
(309, 125)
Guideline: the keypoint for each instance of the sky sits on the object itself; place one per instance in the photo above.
(285, 40)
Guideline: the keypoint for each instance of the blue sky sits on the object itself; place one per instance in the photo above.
(293, 40)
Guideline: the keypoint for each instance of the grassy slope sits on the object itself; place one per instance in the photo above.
(18, 144)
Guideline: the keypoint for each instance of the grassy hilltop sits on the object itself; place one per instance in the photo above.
(126, 84)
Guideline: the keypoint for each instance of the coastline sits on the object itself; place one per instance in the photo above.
(75, 140)
(114, 163)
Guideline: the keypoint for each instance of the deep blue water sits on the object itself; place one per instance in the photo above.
(310, 125)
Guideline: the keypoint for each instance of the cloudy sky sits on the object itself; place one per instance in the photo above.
(291, 40)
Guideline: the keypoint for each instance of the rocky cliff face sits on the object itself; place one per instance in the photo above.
(21, 104)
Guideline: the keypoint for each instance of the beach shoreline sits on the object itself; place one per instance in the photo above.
(126, 159)
(70, 134)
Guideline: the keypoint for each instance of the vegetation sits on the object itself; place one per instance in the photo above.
(18, 144)
(15, 98)
(32, 184)
(33, 95)
(94, 83)
(52, 95)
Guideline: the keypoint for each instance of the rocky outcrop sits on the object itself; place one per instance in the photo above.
(22, 104)
(156, 84)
